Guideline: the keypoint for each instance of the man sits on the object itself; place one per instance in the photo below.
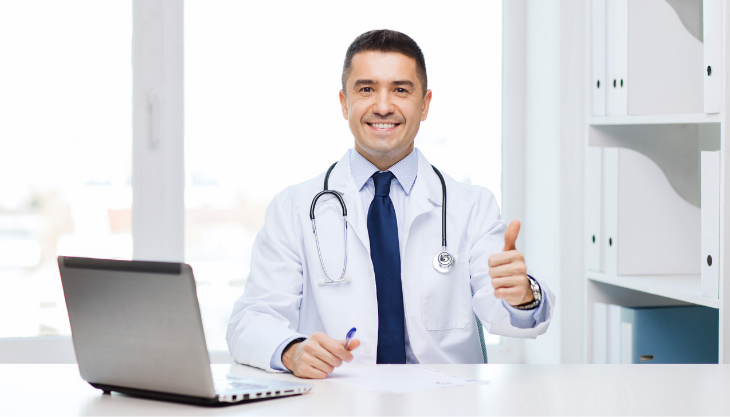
(292, 315)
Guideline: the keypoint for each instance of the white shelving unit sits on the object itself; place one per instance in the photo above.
(685, 288)
(673, 142)
(659, 119)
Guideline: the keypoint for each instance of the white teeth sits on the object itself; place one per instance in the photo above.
(383, 125)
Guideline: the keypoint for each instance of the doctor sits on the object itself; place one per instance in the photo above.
(292, 318)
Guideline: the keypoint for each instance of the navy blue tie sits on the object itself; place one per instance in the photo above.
(385, 253)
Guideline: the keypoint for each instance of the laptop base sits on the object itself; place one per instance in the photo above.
(165, 396)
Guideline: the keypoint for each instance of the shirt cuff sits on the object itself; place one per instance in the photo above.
(527, 319)
(276, 363)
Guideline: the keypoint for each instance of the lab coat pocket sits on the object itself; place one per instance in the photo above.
(446, 297)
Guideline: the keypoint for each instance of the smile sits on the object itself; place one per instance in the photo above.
(383, 125)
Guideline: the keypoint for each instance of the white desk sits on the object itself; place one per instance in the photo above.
(512, 390)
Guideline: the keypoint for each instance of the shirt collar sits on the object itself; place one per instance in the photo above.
(405, 170)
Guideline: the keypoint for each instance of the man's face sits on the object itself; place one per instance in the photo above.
(384, 103)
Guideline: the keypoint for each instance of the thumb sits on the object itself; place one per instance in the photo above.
(510, 235)
(354, 344)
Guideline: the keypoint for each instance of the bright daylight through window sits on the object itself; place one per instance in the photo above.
(262, 113)
(65, 150)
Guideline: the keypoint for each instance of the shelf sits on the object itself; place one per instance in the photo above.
(678, 287)
(654, 119)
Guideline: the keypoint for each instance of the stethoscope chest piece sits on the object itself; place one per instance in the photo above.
(443, 262)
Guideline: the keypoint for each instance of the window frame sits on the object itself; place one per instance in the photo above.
(158, 174)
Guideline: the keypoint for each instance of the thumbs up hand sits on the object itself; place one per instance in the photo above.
(508, 270)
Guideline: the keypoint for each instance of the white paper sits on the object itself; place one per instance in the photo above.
(396, 378)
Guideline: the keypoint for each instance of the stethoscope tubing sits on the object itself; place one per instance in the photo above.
(443, 207)
(337, 195)
(314, 227)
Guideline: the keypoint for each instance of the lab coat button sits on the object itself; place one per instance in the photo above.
(368, 348)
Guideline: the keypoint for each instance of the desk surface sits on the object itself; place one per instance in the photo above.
(512, 390)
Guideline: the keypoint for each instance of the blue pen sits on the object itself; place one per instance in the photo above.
(349, 337)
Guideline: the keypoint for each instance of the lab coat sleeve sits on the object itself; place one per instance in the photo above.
(498, 317)
(268, 312)
(276, 363)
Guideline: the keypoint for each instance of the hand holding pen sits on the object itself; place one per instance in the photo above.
(319, 355)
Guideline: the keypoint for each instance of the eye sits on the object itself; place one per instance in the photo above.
(401, 90)
(366, 90)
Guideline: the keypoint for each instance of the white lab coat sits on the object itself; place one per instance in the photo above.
(283, 296)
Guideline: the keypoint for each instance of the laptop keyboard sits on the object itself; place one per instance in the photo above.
(228, 384)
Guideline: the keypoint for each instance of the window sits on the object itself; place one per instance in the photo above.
(262, 113)
(65, 150)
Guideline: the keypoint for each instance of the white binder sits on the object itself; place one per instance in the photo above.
(650, 229)
(594, 207)
(606, 333)
(710, 201)
(610, 207)
(614, 334)
(664, 57)
(617, 64)
(712, 50)
(598, 36)
(600, 333)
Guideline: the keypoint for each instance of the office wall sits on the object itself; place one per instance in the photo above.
(574, 15)
(543, 159)
(513, 135)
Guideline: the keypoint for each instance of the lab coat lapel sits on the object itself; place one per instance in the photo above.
(426, 193)
(341, 180)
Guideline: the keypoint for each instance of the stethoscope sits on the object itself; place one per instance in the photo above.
(443, 262)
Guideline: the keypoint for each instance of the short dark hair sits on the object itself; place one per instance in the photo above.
(385, 40)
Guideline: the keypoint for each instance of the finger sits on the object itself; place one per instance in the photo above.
(318, 363)
(501, 258)
(508, 293)
(508, 270)
(326, 356)
(311, 372)
(337, 348)
(515, 295)
(510, 236)
(354, 344)
(507, 282)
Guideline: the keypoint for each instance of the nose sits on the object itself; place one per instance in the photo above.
(383, 105)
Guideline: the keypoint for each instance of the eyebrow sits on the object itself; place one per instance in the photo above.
(404, 82)
(370, 82)
(363, 82)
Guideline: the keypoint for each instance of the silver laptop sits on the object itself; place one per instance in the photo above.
(137, 330)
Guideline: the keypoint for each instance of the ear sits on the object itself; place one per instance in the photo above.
(426, 105)
(343, 103)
